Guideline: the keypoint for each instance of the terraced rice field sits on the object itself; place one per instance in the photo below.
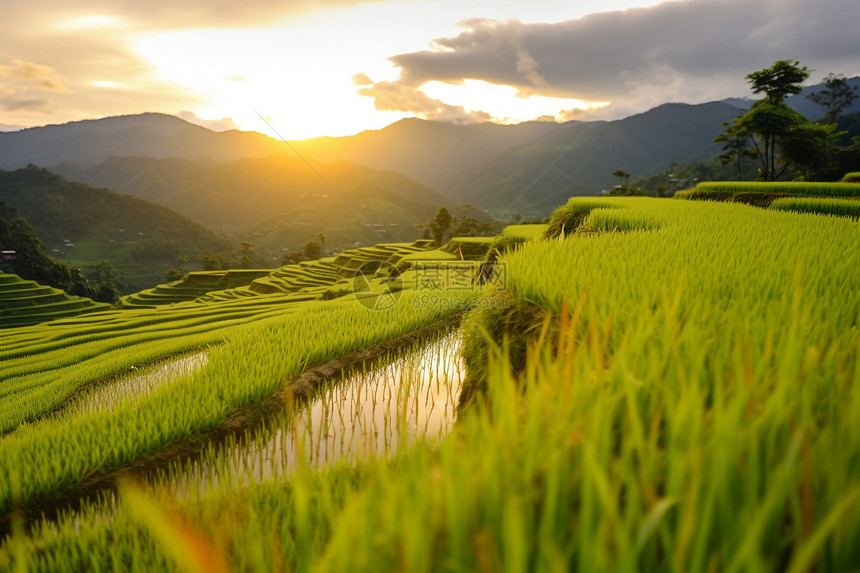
(24, 302)
(655, 385)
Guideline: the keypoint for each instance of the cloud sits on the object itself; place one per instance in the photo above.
(167, 14)
(394, 96)
(361, 80)
(223, 124)
(691, 50)
(35, 75)
(43, 106)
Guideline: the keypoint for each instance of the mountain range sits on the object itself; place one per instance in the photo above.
(527, 168)
(370, 187)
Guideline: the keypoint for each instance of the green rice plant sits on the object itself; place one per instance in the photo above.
(111, 393)
(58, 456)
(527, 232)
(688, 402)
(818, 205)
(613, 220)
(567, 219)
(853, 177)
(697, 194)
(562, 468)
(786, 187)
(734, 331)
(514, 235)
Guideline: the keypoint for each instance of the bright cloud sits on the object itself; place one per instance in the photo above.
(334, 67)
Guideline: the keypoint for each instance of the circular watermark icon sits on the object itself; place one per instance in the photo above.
(377, 285)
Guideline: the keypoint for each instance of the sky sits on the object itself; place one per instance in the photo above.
(306, 68)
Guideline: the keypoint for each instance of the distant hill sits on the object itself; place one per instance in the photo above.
(799, 102)
(150, 134)
(532, 167)
(240, 193)
(579, 158)
(431, 152)
(812, 110)
(137, 236)
(278, 203)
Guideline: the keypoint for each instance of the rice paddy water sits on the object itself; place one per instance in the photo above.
(369, 412)
(136, 384)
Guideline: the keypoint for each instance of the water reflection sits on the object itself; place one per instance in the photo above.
(130, 387)
(369, 413)
(109, 395)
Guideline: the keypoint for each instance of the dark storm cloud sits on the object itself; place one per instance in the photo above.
(681, 49)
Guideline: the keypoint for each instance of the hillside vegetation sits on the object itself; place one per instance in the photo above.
(137, 236)
(277, 203)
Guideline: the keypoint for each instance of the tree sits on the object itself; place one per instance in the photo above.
(107, 280)
(439, 225)
(836, 96)
(176, 273)
(292, 258)
(32, 262)
(247, 253)
(209, 260)
(782, 79)
(810, 149)
(468, 226)
(770, 122)
(623, 175)
(625, 189)
(736, 146)
(322, 241)
(312, 251)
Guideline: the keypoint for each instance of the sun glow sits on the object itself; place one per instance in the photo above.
(298, 73)
(503, 102)
(91, 21)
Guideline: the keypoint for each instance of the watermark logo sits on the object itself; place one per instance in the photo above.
(449, 276)
(377, 285)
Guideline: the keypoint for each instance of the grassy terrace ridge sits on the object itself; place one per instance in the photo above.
(819, 206)
(326, 278)
(725, 190)
(24, 302)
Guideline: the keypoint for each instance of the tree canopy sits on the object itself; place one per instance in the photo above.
(782, 79)
(781, 137)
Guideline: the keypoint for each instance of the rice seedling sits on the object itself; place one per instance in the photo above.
(820, 206)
